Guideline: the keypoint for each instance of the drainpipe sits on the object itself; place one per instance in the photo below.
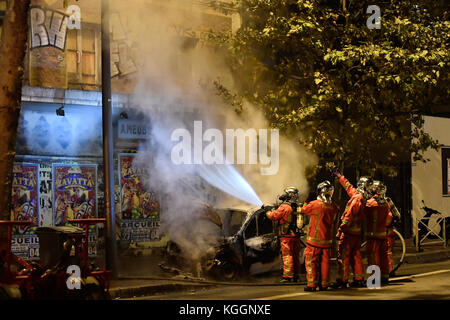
(108, 147)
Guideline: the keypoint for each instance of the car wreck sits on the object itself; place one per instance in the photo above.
(249, 246)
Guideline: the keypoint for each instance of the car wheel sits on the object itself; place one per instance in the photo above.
(230, 271)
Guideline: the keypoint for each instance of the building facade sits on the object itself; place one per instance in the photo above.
(58, 172)
(431, 182)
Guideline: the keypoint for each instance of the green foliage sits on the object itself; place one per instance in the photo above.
(357, 95)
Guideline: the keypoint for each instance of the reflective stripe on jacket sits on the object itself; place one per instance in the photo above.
(377, 217)
(322, 224)
(283, 214)
(352, 216)
(349, 188)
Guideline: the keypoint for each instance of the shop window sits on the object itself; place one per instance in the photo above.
(83, 57)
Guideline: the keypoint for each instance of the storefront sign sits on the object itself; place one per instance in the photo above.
(139, 208)
(129, 129)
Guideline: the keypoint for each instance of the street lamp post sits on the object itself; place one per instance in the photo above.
(108, 167)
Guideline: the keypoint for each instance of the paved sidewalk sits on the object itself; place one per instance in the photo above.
(139, 284)
(129, 288)
(430, 252)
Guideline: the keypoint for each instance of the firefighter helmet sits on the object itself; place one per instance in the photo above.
(363, 186)
(325, 191)
(379, 189)
(290, 194)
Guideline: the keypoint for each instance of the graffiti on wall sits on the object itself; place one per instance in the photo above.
(122, 61)
(49, 27)
(48, 36)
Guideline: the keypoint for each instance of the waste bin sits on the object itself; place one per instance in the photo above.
(51, 243)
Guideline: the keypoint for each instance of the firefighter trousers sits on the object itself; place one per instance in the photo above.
(377, 254)
(290, 254)
(390, 244)
(317, 264)
(349, 256)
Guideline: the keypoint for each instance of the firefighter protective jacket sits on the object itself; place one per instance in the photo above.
(285, 217)
(353, 214)
(377, 217)
(323, 222)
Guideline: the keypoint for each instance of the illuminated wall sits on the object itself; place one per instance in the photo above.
(42, 132)
(427, 178)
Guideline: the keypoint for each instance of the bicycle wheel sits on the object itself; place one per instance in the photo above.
(398, 252)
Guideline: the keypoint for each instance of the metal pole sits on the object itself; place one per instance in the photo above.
(108, 147)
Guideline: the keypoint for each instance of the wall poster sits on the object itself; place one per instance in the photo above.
(139, 208)
(25, 207)
(75, 196)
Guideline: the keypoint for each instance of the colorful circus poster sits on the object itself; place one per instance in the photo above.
(139, 207)
(75, 196)
(24, 207)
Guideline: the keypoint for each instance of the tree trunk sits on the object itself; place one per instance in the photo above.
(12, 51)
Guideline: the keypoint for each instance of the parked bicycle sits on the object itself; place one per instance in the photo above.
(433, 225)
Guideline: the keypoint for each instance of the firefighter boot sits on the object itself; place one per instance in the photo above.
(358, 284)
(309, 289)
(339, 284)
(285, 280)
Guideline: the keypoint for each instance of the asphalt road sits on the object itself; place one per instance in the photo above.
(426, 281)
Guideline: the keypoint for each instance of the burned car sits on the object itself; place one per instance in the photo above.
(249, 246)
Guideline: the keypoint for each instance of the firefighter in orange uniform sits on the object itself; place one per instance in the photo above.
(322, 227)
(377, 217)
(286, 215)
(349, 232)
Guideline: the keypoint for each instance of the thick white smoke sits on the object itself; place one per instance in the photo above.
(174, 90)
